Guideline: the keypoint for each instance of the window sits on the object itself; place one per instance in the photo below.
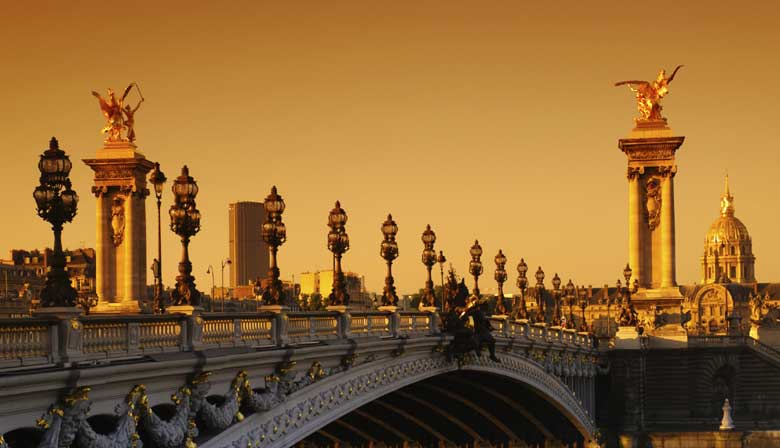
(733, 272)
(733, 250)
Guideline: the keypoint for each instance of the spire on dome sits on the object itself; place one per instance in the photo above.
(727, 201)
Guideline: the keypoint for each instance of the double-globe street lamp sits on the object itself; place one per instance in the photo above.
(57, 204)
(338, 244)
(428, 259)
(388, 250)
(571, 296)
(500, 276)
(556, 281)
(522, 283)
(157, 179)
(185, 222)
(441, 259)
(274, 235)
(475, 266)
(540, 312)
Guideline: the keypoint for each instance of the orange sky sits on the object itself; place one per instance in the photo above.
(489, 120)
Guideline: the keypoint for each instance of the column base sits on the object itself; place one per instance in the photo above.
(188, 310)
(627, 338)
(276, 309)
(337, 308)
(123, 307)
(388, 308)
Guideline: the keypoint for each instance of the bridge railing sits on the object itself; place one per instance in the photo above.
(48, 340)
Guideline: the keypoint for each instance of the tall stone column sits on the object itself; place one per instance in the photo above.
(668, 268)
(634, 224)
(120, 188)
(651, 148)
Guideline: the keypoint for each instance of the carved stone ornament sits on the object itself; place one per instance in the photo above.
(653, 202)
(118, 220)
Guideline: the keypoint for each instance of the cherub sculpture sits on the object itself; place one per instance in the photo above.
(649, 94)
(119, 116)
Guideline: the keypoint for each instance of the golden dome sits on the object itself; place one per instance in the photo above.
(727, 228)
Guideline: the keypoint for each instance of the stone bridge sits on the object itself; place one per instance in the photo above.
(272, 380)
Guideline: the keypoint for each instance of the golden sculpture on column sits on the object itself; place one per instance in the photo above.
(649, 94)
(119, 116)
(120, 189)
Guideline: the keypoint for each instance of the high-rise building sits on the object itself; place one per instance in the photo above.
(248, 251)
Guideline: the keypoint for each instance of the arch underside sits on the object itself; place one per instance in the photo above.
(424, 399)
(457, 408)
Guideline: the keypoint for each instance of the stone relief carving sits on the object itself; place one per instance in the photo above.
(118, 220)
(653, 202)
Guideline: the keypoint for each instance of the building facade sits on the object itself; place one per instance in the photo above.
(321, 282)
(248, 252)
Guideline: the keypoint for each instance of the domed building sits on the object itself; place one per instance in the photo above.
(728, 249)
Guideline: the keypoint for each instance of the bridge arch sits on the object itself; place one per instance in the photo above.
(313, 408)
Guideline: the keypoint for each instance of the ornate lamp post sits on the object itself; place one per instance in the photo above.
(225, 262)
(338, 243)
(583, 305)
(540, 314)
(556, 281)
(475, 266)
(274, 234)
(56, 204)
(210, 270)
(441, 259)
(627, 275)
(389, 252)
(522, 283)
(571, 296)
(157, 179)
(500, 276)
(185, 222)
(428, 299)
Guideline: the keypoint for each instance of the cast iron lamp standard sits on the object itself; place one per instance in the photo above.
(274, 234)
(157, 179)
(475, 266)
(388, 250)
(571, 296)
(522, 283)
(540, 314)
(500, 276)
(338, 244)
(225, 262)
(583, 305)
(556, 281)
(627, 314)
(57, 204)
(210, 270)
(428, 299)
(441, 259)
(185, 222)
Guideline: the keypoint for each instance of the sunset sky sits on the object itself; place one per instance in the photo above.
(490, 120)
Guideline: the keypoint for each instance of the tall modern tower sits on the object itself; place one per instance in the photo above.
(248, 251)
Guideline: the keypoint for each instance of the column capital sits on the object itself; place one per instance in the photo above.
(633, 173)
(667, 171)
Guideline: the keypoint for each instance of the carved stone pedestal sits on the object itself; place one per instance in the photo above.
(276, 309)
(388, 308)
(189, 310)
(338, 308)
(627, 338)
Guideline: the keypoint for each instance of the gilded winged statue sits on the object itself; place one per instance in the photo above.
(650, 93)
(119, 116)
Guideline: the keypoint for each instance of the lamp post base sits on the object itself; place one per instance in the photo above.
(188, 310)
(388, 308)
(276, 309)
(337, 308)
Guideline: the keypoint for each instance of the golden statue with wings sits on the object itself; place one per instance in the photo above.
(119, 116)
(649, 94)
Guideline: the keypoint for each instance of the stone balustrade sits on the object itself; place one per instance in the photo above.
(48, 341)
